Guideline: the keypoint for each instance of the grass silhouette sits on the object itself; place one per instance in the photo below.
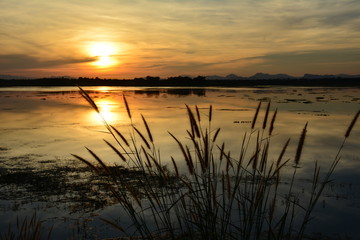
(218, 195)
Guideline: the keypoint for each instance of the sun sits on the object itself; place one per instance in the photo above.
(104, 52)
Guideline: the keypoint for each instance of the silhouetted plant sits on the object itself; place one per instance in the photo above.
(218, 195)
(26, 229)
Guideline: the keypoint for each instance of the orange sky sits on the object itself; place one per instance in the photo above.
(126, 39)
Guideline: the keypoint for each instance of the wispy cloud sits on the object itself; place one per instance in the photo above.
(183, 35)
(312, 57)
(298, 62)
(328, 61)
(318, 14)
(20, 61)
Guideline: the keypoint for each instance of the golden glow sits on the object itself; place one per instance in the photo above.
(103, 89)
(105, 53)
(107, 110)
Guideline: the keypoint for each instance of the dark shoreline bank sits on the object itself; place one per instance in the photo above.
(185, 82)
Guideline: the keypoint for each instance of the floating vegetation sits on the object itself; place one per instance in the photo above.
(72, 184)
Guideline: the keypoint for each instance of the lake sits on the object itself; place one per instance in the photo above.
(42, 127)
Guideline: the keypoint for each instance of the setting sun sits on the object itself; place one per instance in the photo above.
(105, 53)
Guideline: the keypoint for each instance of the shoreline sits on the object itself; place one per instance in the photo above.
(323, 82)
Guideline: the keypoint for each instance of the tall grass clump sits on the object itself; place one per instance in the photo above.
(26, 229)
(219, 195)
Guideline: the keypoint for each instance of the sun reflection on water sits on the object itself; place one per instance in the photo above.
(103, 89)
(108, 112)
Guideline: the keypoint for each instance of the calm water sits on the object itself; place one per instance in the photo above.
(41, 127)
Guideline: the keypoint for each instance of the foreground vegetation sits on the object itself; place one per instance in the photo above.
(207, 192)
(26, 229)
(218, 195)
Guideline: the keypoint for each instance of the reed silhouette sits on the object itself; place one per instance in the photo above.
(219, 195)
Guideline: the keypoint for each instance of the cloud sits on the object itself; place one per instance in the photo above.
(313, 57)
(341, 18)
(181, 34)
(317, 14)
(299, 57)
(13, 38)
(297, 62)
(327, 61)
(21, 61)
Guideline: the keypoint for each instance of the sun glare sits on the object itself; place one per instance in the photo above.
(104, 52)
(107, 110)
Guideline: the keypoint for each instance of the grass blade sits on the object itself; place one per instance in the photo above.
(127, 107)
(255, 116)
(300, 145)
(147, 129)
(347, 134)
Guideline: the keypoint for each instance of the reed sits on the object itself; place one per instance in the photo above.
(266, 115)
(351, 125)
(255, 116)
(271, 129)
(26, 229)
(300, 145)
(219, 195)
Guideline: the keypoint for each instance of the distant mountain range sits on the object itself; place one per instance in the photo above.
(266, 76)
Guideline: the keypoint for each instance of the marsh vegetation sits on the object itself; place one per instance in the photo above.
(220, 195)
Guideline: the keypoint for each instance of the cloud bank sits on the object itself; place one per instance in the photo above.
(184, 37)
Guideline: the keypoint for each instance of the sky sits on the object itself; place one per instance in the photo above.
(137, 38)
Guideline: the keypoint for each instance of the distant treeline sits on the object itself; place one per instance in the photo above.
(180, 82)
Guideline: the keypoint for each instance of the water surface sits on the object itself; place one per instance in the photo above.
(41, 127)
